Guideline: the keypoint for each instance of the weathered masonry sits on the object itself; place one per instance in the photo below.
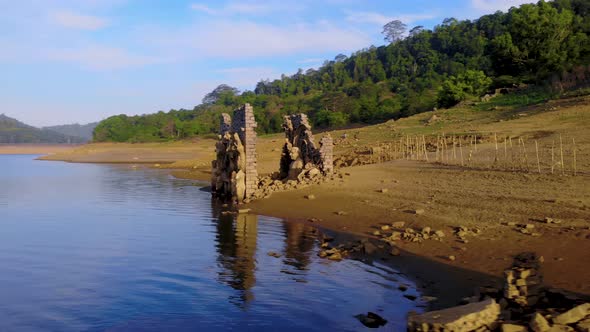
(234, 174)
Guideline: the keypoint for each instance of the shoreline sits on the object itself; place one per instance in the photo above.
(36, 149)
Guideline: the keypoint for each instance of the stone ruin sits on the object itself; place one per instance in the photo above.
(234, 176)
(300, 154)
(523, 282)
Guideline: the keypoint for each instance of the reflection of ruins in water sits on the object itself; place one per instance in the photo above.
(237, 237)
(236, 245)
(299, 243)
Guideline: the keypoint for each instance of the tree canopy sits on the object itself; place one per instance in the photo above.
(439, 67)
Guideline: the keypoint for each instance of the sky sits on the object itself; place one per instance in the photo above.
(80, 61)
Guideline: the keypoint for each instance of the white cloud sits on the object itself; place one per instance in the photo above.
(252, 7)
(70, 19)
(203, 8)
(485, 6)
(380, 19)
(236, 39)
(99, 57)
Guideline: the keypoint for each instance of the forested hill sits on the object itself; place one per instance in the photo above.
(13, 131)
(77, 130)
(547, 44)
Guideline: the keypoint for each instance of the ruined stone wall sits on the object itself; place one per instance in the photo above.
(300, 152)
(234, 175)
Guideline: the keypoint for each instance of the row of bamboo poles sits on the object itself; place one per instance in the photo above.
(471, 151)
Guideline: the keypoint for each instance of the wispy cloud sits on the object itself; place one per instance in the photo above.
(483, 6)
(203, 8)
(381, 19)
(70, 19)
(98, 57)
(252, 7)
(236, 39)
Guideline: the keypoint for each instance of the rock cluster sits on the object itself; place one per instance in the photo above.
(523, 305)
(300, 152)
(523, 281)
(480, 316)
(397, 232)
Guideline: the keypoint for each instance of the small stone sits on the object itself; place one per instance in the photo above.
(439, 233)
(513, 328)
(341, 213)
(371, 320)
(337, 256)
(451, 258)
(529, 226)
(418, 211)
(428, 298)
(398, 224)
(376, 233)
(426, 230)
(385, 227)
(274, 254)
(394, 252)
(538, 323)
(584, 325)
(383, 190)
(511, 223)
(310, 196)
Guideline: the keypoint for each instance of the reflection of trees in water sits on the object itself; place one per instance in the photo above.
(236, 245)
(299, 244)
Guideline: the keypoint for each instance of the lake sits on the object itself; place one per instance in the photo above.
(87, 247)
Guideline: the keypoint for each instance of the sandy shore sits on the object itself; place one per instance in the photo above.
(494, 201)
(44, 149)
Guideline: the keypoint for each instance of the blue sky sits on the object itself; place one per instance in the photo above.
(78, 61)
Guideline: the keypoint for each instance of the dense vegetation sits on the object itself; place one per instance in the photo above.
(415, 72)
(13, 131)
(77, 130)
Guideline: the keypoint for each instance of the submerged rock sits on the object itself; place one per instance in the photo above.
(371, 320)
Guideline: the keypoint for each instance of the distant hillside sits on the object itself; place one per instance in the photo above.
(14, 131)
(545, 44)
(83, 131)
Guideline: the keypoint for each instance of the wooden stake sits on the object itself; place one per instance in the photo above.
(552, 156)
(496, 142)
(561, 152)
(538, 162)
(461, 152)
(575, 166)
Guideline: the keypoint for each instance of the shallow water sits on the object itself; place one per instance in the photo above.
(98, 247)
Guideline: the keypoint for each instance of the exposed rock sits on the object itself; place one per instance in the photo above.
(538, 323)
(573, 315)
(439, 233)
(583, 326)
(274, 254)
(469, 317)
(513, 328)
(398, 224)
(369, 248)
(371, 320)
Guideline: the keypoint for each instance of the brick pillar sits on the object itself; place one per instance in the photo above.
(245, 125)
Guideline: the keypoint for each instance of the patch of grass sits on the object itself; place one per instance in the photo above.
(521, 98)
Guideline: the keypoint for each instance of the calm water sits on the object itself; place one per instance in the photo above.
(96, 247)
